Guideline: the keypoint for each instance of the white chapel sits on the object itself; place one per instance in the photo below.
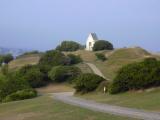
(91, 41)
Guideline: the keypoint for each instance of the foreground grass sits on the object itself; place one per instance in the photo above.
(45, 108)
(148, 100)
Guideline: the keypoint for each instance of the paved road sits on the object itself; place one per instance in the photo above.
(67, 97)
(95, 69)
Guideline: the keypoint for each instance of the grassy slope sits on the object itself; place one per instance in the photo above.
(45, 108)
(25, 60)
(149, 100)
(116, 59)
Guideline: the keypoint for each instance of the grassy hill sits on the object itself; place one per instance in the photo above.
(46, 108)
(116, 59)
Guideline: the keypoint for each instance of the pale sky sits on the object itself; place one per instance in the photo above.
(43, 24)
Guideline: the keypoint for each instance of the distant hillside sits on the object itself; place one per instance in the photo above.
(31, 59)
(13, 51)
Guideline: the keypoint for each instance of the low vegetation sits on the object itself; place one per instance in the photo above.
(10, 86)
(74, 59)
(87, 82)
(21, 95)
(140, 75)
(64, 73)
(100, 56)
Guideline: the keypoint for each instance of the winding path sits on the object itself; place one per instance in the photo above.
(67, 97)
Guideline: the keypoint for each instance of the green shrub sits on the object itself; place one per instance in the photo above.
(63, 73)
(68, 46)
(102, 45)
(33, 76)
(21, 95)
(12, 83)
(74, 59)
(52, 58)
(100, 56)
(87, 82)
(136, 76)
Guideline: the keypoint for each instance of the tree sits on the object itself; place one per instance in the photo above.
(64, 73)
(8, 58)
(102, 45)
(68, 46)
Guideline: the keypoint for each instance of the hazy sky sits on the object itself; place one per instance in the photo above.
(42, 24)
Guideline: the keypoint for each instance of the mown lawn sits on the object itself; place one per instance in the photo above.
(45, 108)
(148, 100)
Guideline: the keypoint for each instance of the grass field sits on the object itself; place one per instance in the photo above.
(148, 100)
(45, 108)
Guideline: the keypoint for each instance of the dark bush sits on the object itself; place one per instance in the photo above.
(136, 76)
(68, 46)
(21, 95)
(102, 45)
(63, 73)
(100, 56)
(33, 76)
(52, 58)
(74, 59)
(87, 82)
(6, 58)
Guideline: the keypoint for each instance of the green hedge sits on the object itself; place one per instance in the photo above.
(136, 76)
